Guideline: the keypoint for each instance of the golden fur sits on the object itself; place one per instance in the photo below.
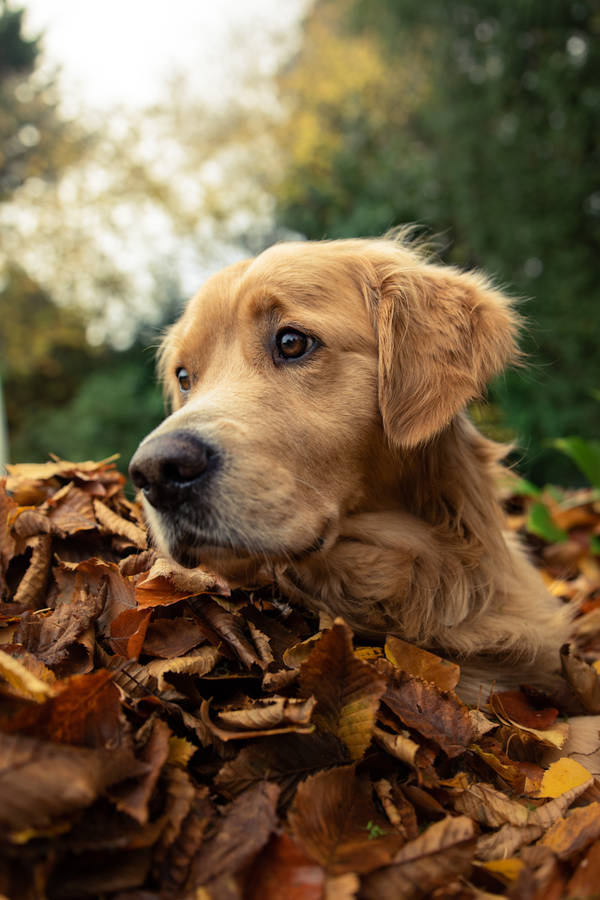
(353, 477)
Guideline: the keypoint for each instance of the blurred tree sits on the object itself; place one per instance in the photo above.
(480, 121)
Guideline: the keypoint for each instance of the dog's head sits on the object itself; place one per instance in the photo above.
(297, 379)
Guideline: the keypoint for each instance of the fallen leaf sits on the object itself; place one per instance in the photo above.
(24, 681)
(573, 833)
(509, 867)
(83, 709)
(33, 583)
(582, 677)
(134, 800)
(41, 781)
(561, 776)
(285, 761)
(584, 883)
(270, 716)
(437, 715)
(283, 870)
(118, 525)
(485, 804)
(443, 852)
(514, 707)
(244, 829)
(346, 689)
(334, 820)
(128, 632)
(168, 638)
(198, 663)
(421, 663)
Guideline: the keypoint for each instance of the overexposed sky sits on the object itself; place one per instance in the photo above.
(123, 51)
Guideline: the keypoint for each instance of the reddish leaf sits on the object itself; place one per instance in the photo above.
(85, 709)
(283, 870)
(128, 632)
(514, 706)
(168, 638)
(335, 821)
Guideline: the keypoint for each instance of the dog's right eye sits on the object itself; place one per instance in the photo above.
(185, 382)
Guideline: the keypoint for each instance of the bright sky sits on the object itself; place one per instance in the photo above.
(122, 51)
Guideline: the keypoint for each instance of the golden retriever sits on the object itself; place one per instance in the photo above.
(319, 439)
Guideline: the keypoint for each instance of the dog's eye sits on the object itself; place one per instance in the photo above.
(185, 382)
(292, 344)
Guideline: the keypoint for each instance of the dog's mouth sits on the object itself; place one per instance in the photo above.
(191, 552)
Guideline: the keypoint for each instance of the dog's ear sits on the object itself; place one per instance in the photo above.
(442, 335)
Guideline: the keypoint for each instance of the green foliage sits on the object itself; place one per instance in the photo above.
(585, 454)
(484, 129)
(18, 53)
(539, 521)
(114, 407)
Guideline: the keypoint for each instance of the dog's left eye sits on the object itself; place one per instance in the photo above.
(185, 382)
(292, 344)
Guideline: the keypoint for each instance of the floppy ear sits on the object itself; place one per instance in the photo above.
(442, 335)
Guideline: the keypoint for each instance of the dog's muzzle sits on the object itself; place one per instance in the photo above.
(173, 468)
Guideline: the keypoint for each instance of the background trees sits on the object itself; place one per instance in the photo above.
(479, 121)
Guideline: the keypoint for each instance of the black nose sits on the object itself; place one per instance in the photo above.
(170, 467)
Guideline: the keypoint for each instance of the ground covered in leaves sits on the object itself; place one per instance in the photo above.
(161, 737)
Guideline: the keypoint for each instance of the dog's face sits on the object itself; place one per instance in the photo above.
(296, 380)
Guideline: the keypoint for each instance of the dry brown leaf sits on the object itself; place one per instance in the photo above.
(437, 715)
(485, 804)
(399, 745)
(116, 524)
(25, 682)
(584, 883)
(168, 638)
(347, 690)
(268, 713)
(282, 716)
(70, 510)
(168, 583)
(227, 629)
(515, 707)
(244, 829)
(32, 585)
(582, 677)
(334, 820)
(134, 800)
(443, 852)
(283, 870)
(83, 709)
(285, 761)
(128, 632)
(198, 663)
(506, 841)
(62, 637)
(421, 663)
(575, 832)
(41, 781)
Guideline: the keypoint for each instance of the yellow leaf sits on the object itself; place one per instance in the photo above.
(508, 868)
(596, 665)
(368, 653)
(22, 679)
(180, 751)
(561, 776)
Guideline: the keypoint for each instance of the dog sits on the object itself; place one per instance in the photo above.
(319, 439)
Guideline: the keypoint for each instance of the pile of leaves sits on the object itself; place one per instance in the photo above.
(164, 737)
